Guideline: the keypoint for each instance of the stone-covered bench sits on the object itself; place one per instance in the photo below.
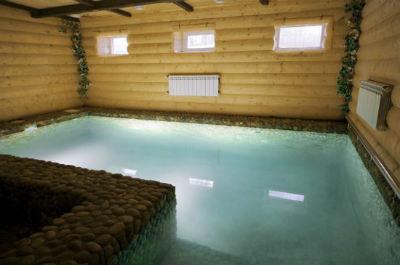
(114, 219)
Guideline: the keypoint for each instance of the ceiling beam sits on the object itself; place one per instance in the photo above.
(184, 5)
(264, 2)
(31, 9)
(116, 11)
(98, 5)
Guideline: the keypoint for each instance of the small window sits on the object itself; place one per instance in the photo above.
(194, 41)
(300, 37)
(112, 45)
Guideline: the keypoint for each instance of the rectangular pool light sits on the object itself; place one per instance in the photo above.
(286, 195)
(201, 182)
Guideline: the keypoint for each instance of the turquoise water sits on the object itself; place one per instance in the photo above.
(245, 196)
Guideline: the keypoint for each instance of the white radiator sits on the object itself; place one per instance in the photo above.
(193, 85)
(374, 103)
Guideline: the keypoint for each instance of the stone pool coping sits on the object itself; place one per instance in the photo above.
(114, 211)
(9, 127)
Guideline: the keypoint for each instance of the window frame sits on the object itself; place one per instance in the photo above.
(111, 36)
(327, 34)
(180, 40)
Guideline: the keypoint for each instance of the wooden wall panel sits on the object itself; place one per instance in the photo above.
(379, 59)
(255, 80)
(37, 70)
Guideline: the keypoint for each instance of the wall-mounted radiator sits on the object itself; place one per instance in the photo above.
(374, 103)
(193, 85)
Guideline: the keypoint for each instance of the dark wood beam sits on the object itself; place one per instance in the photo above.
(31, 9)
(116, 11)
(264, 2)
(184, 5)
(98, 5)
(120, 12)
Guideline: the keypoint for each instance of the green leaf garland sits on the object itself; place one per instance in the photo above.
(345, 79)
(79, 53)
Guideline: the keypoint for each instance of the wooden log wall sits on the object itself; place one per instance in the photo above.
(254, 79)
(379, 59)
(37, 70)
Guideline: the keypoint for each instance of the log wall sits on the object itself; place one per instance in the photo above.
(379, 59)
(37, 70)
(254, 79)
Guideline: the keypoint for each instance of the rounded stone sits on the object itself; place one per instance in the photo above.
(83, 257)
(83, 213)
(117, 210)
(59, 221)
(37, 242)
(117, 228)
(93, 247)
(78, 208)
(82, 230)
(75, 244)
(133, 212)
(126, 219)
(50, 234)
(88, 237)
(104, 239)
(49, 228)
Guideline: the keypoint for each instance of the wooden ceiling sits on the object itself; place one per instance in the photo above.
(63, 8)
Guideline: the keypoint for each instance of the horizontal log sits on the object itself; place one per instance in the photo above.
(314, 113)
(20, 37)
(228, 89)
(224, 99)
(38, 80)
(22, 70)
(223, 68)
(333, 55)
(35, 49)
(43, 105)
(28, 91)
(261, 79)
(36, 59)
(10, 24)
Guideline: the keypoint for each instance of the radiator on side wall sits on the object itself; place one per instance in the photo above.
(374, 103)
(193, 85)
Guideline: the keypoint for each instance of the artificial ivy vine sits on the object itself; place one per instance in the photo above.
(346, 74)
(79, 53)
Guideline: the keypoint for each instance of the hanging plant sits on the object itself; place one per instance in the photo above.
(345, 79)
(79, 53)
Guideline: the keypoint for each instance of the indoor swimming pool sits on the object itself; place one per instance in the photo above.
(244, 195)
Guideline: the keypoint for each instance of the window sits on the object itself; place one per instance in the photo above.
(300, 37)
(194, 41)
(112, 45)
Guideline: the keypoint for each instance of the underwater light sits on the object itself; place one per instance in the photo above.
(286, 195)
(201, 182)
(31, 128)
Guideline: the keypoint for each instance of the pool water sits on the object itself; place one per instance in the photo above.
(245, 196)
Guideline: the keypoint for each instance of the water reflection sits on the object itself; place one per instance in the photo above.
(286, 195)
